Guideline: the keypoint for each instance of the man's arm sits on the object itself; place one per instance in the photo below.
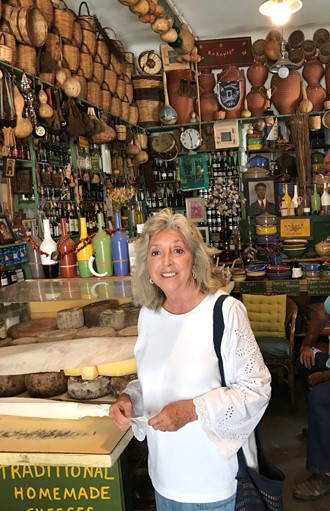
(315, 327)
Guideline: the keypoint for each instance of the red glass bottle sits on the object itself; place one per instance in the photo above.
(68, 258)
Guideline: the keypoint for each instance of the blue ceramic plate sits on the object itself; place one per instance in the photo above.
(258, 161)
(256, 267)
(266, 238)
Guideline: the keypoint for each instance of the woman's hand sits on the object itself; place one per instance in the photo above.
(174, 416)
(307, 356)
(120, 411)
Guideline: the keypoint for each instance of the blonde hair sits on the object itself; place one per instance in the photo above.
(151, 295)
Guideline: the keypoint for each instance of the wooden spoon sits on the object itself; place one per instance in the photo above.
(167, 114)
(305, 105)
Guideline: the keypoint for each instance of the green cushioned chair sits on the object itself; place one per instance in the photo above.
(273, 321)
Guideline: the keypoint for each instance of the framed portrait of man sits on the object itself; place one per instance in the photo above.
(261, 196)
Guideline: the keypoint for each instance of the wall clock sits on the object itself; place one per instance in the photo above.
(190, 139)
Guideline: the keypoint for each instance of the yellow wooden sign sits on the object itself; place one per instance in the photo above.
(295, 227)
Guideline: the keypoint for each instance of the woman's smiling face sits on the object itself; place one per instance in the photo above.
(170, 261)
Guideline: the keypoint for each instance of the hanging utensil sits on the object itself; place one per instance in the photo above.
(167, 114)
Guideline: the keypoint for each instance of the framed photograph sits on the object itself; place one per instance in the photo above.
(23, 181)
(195, 209)
(295, 228)
(169, 55)
(9, 164)
(261, 196)
(6, 234)
(205, 232)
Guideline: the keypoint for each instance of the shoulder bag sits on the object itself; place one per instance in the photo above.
(256, 491)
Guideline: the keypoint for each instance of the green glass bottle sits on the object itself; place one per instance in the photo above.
(315, 201)
(102, 249)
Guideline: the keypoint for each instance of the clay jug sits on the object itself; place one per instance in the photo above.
(209, 106)
(183, 105)
(256, 102)
(257, 74)
(206, 80)
(313, 71)
(316, 94)
(228, 75)
(287, 92)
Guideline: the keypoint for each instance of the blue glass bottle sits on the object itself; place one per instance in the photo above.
(119, 245)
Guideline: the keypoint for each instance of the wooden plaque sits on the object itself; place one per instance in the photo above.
(218, 53)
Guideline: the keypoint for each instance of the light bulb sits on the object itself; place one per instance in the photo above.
(283, 72)
(280, 14)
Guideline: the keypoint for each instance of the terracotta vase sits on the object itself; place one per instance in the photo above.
(232, 74)
(257, 74)
(313, 71)
(209, 106)
(316, 94)
(256, 102)
(287, 93)
(327, 78)
(183, 105)
(207, 81)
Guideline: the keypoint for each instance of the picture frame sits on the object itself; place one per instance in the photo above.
(294, 227)
(168, 55)
(266, 188)
(6, 233)
(9, 167)
(23, 181)
(218, 53)
(205, 232)
(195, 209)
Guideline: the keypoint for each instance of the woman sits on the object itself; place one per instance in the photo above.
(194, 426)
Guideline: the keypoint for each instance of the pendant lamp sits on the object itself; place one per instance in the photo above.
(283, 65)
(280, 10)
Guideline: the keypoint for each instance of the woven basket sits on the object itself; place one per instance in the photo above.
(93, 94)
(63, 22)
(77, 34)
(83, 85)
(11, 42)
(54, 46)
(86, 21)
(98, 72)
(47, 9)
(6, 12)
(125, 109)
(26, 58)
(71, 56)
(133, 114)
(86, 65)
(47, 77)
(103, 52)
(29, 26)
(129, 91)
(116, 65)
(6, 53)
(106, 98)
(110, 77)
(120, 89)
(148, 97)
(115, 106)
(88, 41)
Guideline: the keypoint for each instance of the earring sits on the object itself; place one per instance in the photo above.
(194, 274)
(151, 281)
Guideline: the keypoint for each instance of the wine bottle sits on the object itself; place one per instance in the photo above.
(84, 252)
(315, 201)
(325, 200)
(66, 248)
(102, 249)
(33, 255)
(49, 246)
(306, 202)
(119, 245)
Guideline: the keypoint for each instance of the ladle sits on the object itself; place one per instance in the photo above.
(167, 114)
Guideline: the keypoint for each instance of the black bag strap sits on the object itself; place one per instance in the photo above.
(218, 329)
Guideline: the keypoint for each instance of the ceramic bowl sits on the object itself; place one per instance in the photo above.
(309, 267)
(278, 268)
(315, 274)
(295, 241)
(258, 161)
(278, 276)
(266, 238)
(256, 267)
(294, 251)
(266, 219)
(266, 229)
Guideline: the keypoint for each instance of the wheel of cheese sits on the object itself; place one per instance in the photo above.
(95, 331)
(12, 385)
(114, 318)
(46, 384)
(24, 340)
(88, 389)
(70, 318)
(66, 334)
(117, 368)
(5, 342)
(119, 383)
(31, 328)
(128, 331)
(93, 310)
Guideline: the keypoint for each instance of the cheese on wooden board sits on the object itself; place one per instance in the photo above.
(118, 368)
(129, 330)
(88, 389)
(96, 331)
(70, 318)
(66, 334)
(12, 385)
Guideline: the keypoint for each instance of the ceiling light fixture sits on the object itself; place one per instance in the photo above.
(280, 10)
(283, 65)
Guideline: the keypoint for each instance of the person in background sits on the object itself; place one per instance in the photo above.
(194, 427)
(262, 204)
(315, 378)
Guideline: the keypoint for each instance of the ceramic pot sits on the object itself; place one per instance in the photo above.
(207, 81)
(287, 92)
(256, 102)
(313, 71)
(316, 94)
(209, 106)
(183, 105)
(228, 75)
(257, 74)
